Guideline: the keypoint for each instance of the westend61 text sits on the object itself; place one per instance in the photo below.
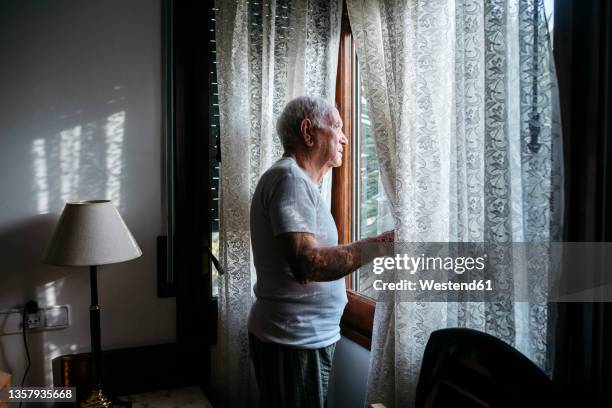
(430, 284)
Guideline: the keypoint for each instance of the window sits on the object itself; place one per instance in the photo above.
(215, 154)
(354, 201)
(373, 214)
(362, 205)
(359, 203)
(188, 112)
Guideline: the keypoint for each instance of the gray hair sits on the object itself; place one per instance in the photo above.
(288, 124)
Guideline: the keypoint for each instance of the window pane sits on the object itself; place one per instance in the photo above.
(372, 204)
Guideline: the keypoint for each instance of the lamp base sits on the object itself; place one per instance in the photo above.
(97, 399)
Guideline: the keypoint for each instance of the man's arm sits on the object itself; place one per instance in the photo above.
(311, 262)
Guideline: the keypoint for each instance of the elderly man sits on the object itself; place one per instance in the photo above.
(294, 323)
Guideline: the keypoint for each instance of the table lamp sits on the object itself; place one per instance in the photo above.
(92, 233)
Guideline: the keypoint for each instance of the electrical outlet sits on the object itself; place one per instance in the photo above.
(55, 317)
(34, 320)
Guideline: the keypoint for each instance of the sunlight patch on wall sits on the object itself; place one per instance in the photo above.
(114, 130)
(49, 293)
(52, 351)
(70, 155)
(39, 154)
(48, 296)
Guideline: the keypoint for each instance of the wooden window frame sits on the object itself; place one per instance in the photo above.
(358, 318)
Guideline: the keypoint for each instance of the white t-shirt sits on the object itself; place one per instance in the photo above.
(285, 311)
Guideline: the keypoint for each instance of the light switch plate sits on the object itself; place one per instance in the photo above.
(10, 321)
(57, 317)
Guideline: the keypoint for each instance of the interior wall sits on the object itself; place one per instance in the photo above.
(81, 119)
(349, 376)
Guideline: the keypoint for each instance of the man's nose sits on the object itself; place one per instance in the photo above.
(343, 139)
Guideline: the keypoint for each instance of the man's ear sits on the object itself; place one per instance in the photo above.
(306, 130)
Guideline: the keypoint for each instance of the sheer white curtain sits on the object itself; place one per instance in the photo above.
(462, 96)
(268, 52)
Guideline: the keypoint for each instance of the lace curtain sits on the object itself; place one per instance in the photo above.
(268, 52)
(462, 97)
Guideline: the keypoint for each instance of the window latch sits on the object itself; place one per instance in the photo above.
(214, 259)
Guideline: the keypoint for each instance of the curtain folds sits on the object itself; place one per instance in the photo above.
(268, 52)
(463, 100)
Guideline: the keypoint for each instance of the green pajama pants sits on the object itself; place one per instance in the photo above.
(290, 377)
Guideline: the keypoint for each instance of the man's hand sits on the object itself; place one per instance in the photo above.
(387, 237)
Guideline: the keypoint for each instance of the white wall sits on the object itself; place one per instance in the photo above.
(80, 118)
(349, 377)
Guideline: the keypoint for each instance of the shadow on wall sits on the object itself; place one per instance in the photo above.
(81, 161)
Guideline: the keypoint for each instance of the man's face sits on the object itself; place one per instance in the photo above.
(330, 140)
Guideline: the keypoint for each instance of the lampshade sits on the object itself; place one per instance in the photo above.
(91, 233)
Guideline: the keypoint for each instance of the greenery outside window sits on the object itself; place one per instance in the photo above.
(373, 214)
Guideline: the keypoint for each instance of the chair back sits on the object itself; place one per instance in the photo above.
(470, 369)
